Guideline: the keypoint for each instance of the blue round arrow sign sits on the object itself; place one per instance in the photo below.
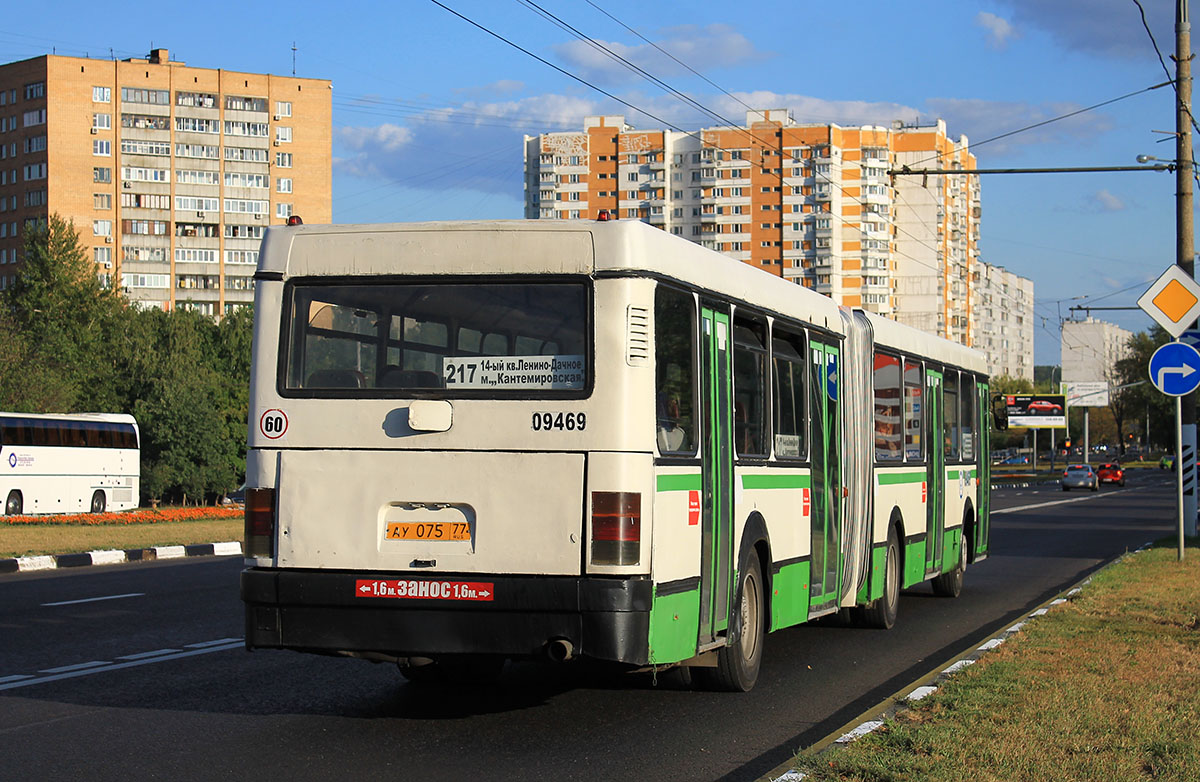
(1175, 369)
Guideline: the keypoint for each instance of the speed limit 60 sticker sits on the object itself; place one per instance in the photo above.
(273, 424)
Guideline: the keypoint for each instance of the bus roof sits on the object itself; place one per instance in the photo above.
(906, 339)
(112, 418)
(532, 247)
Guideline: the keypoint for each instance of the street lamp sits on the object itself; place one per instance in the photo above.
(1171, 164)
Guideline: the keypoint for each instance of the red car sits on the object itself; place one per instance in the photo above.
(1112, 473)
(1042, 406)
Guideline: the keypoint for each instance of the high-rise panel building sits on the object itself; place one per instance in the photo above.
(1003, 315)
(170, 173)
(814, 203)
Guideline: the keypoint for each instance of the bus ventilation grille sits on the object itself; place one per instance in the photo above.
(637, 322)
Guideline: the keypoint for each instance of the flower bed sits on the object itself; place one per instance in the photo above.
(140, 516)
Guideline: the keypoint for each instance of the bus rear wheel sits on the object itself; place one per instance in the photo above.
(882, 612)
(98, 501)
(951, 584)
(15, 504)
(738, 664)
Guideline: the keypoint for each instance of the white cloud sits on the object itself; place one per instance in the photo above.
(708, 47)
(999, 30)
(1107, 202)
(982, 120)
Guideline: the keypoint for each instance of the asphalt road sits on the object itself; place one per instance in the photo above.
(137, 671)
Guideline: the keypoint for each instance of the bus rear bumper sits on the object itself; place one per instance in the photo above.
(342, 612)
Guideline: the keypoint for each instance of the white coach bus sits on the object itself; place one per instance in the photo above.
(487, 440)
(85, 462)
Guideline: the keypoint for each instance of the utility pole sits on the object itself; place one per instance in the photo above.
(1184, 246)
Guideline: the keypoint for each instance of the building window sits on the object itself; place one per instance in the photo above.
(283, 185)
(35, 117)
(102, 227)
(252, 129)
(237, 103)
(35, 171)
(35, 90)
(283, 108)
(139, 95)
(238, 179)
(283, 211)
(201, 100)
(102, 121)
(102, 256)
(35, 198)
(283, 134)
(102, 147)
(283, 159)
(101, 200)
(101, 94)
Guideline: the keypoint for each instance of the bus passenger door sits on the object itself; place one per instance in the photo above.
(825, 407)
(716, 517)
(983, 467)
(935, 473)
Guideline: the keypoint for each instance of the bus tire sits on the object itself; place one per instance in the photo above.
(15, 504)
(738, 663)
(951, 584)
(882, 613)
(98, 501)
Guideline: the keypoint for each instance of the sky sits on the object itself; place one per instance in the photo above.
(429, 109)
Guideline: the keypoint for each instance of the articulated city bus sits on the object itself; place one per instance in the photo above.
(68, 463)
(487, 440)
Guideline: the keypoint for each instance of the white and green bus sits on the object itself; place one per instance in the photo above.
(486, 440)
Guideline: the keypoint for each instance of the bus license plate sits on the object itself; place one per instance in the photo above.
(429, 530)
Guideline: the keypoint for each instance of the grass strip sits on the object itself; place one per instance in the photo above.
(31, 539)
(1103, 687)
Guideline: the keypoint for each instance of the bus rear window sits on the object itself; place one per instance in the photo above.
(471, 338)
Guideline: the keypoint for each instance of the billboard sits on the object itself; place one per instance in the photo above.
(1042, 411)
(1087, 394)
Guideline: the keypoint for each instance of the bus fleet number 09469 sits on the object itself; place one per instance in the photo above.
(570, 422)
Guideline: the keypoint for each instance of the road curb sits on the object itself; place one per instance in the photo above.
(887, 709)
(118, 556)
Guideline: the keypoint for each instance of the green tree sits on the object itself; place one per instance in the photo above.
(1142, 401)
(64, 317)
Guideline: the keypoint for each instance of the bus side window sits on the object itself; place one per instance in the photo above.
(749, 385)
(968, 417)
(787, 355)
(674, 372)
(913, 447)
(888, 420)
(950, 415)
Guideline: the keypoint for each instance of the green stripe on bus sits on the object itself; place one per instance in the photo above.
(953, 475)
(886, 479)
(776, 481)
(679, 482)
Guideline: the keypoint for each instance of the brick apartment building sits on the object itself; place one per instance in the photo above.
(170, 173)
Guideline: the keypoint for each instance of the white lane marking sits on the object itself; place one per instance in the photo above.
(94, 599)
(16, 678)
(76, 667)
(144, 655)
(206, 644)
(9, 683)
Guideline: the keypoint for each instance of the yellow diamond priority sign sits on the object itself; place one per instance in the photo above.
(1173, 301)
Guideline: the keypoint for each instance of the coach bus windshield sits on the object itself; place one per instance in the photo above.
(375, 338)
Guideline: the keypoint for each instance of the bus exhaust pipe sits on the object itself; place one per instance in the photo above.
(560, 650)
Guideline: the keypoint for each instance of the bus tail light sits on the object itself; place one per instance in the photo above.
(260, 522)
(616, 527)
